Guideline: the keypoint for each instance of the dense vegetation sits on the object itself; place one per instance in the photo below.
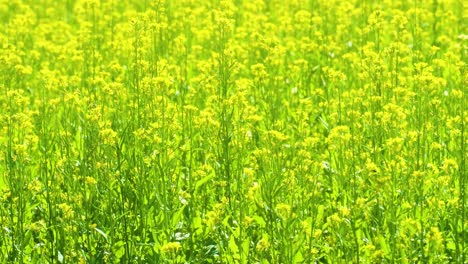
(233, 131)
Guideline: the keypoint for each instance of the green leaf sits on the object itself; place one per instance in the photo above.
(26, 239)
(323, 122)
(259, 220)
(298, 258)
(59, 256)
(202, 181)
(118, 249)
(177, 217)
(451, 246)
(101, 232)
(384, 245)
(196, 222)
(245, 251)
(157, 246)
(234, 250)
(320, 210)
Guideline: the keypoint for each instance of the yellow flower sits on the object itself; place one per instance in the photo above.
(108, 136)
(67, 210)
(37, 226)
(334, 219)
(258, 71)
(248, 221)
(314, 251)
(372, 167)
(263, 244)
(306, 227)
(337, 136)
(253, 190)
(90, 180)
(249, 172)
(449, 165)
(436, 146)
(435, 237)
(344, 211)
(171, 247)
(82, 260)
(418, 174)
(283, 210)
(317, 233)
(35, 186)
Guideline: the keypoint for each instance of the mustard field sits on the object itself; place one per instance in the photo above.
(233, 131)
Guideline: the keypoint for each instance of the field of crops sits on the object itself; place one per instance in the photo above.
(233, 131)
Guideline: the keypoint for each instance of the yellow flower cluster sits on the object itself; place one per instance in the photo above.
(242, 131)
